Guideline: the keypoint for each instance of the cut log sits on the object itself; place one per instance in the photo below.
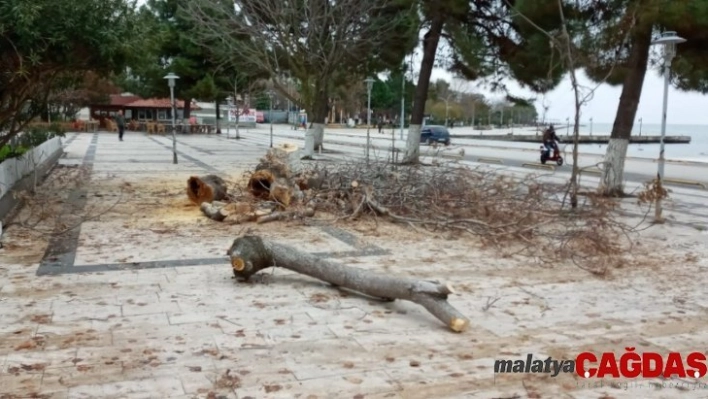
(309, 212)
(264, 185)
(250, 254)
(233, 212)
(259, 183)
(212, 211)
(207, 188)
(273, 177)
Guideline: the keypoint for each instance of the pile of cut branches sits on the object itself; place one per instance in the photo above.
(515, 215)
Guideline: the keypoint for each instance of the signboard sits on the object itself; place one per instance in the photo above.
(245, 115)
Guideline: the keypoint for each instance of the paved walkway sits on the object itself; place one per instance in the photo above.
(139, 303)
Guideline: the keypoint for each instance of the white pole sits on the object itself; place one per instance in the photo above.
(473, 110)
(660, 172)
(238, 111)
(270, 116)
(368, 125)
(403, 101)
(174, 133)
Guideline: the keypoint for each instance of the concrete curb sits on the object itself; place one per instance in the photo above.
(8, 202)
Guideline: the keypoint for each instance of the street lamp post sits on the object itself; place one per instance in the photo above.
(270, 116)
(567, 124)
(230, 101)
(591, 126)
(171, 78)
(473, 111)
(668, 40)
(369, 86)
(640, 127)
(403, 99)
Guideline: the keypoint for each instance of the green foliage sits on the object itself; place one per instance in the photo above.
(381, 95)
(9, 151)
(262, 101)
(205, 89)
(43, 43)
(33, 137)
(167, 47)
(394, 82)
(611, 24)
(36, 135)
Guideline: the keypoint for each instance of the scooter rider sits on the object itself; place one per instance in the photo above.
(550, 138)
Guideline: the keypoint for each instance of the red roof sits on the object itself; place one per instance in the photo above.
(117, 99)
(157, 103)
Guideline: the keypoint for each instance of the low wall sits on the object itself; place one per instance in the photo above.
(17, 174)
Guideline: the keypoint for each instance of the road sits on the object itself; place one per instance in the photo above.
(352, 142)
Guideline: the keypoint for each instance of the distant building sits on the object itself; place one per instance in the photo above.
(137, 108)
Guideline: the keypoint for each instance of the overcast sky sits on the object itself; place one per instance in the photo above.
(685, 108)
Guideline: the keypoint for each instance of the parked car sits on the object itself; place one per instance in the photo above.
(434, 133)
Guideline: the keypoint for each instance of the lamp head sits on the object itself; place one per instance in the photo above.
(669, 40)
(369, 83)
(171, 78)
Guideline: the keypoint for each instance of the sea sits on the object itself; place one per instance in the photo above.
(695, 151)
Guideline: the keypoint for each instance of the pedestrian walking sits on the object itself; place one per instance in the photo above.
(120, 123)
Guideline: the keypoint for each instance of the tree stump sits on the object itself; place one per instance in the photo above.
(282, 161)
(207, 188)
(273, 177)
(250, 254)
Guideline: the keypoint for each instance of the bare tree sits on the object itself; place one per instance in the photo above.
(310, 40)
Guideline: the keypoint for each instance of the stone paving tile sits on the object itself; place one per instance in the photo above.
(188, 330)
(372, 384)
(163, 387)
(48, 359)
(326, 357)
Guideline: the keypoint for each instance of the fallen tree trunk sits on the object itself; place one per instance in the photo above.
(250, 254)
(207, 188)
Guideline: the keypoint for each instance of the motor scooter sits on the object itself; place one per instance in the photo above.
(546, 155)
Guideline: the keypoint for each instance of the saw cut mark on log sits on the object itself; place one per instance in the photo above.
(264, 185)
(250, 254)
(260, 182)
(207, 188)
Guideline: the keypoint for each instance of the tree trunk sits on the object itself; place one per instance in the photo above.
(187, 111)
(316, 114)
(207, 188)
(612, 182)
(218, 117)
(430, 48)
(272, 178)
(321, 111)
(251, 254)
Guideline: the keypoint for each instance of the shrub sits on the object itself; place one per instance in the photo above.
(30, 138)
